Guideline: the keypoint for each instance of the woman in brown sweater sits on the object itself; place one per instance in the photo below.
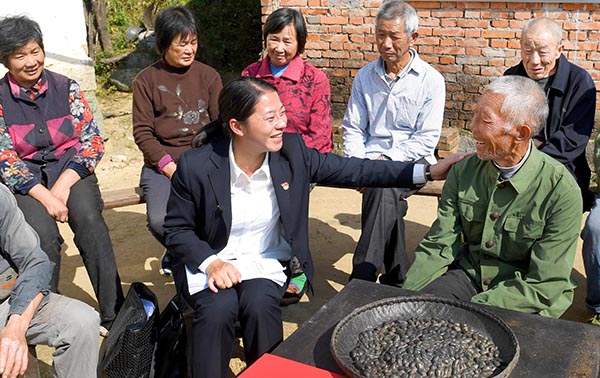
(172, 99)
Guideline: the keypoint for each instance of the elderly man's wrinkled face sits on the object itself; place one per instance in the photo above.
(393, 43)
(492, 135)
(539, 52)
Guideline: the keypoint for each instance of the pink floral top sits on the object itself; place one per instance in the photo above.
(305, 92)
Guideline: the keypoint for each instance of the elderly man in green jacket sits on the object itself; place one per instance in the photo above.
(509, 218)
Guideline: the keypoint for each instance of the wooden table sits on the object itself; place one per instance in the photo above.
(549, 347)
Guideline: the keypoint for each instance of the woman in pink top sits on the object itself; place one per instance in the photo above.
(304, 91)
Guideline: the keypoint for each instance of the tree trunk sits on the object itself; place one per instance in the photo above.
(101, 13)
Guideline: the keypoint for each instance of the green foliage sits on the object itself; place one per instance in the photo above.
(230, 31)
(123, 14)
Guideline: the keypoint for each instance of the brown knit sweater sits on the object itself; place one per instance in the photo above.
(170, 105)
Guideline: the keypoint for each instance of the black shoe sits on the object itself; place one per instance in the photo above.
(166, 264)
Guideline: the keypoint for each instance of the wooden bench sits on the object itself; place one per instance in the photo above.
(122, 197)
(133, 196)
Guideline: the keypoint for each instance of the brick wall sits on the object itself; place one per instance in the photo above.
(470, 43)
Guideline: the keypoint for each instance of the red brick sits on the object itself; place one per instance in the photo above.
(429, 22)
(472, 33)
(522, 15)
(313, 53)
(335, 38)
(425, 4)
(296, 3)
(449, 32)
(447, 13)
(473, 70)
(357, 38)
(448, 68)
(469, 23)
(447, 60)
(449, 50)
(472, 5)
(351, 29)
(496, 62)
(314, 11)
(356, 20)
(472, 14)
(313, 3)
(317, 45)
(428, 41)
(514, 44)
(500, 23)
(425, 32)
(425, 50)
(492, 71)
(336, 54)
(448, 23)
(473, 51)
(336, 46)
(498, 43)
(447, 42)
(581, 7)
(423, 13)
(472, 42)
(498, 34)
(332, 20)
(577, 36)
(358, 46)
(431, 59)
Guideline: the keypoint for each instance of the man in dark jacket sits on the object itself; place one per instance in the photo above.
(571, 96)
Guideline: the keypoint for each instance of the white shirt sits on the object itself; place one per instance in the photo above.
(256, 228)
(400, 119)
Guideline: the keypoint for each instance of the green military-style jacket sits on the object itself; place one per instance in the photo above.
(515, 238)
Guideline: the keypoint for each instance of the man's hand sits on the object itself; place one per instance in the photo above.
(13, 347)
(440, 170)
(222, 275)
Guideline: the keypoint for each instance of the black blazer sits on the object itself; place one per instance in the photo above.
(198, 220)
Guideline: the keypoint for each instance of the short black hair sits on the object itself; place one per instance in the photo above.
(237, 100)
(280, 19)
(239, 97)
(170, 23)
(16, 32)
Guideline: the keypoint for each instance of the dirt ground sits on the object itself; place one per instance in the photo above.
(334, 230)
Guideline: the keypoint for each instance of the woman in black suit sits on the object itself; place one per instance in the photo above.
(237, 212)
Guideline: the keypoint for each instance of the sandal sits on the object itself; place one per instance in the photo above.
(295, 290)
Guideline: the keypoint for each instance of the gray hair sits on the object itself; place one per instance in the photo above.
(546, 23)
(524, 101)
(396, 9)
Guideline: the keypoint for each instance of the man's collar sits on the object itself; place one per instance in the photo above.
(415, 64)
(531, 168)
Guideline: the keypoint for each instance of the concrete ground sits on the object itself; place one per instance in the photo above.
(334, 230)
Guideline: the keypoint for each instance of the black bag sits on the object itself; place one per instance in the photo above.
(128, 350)
(170, 358)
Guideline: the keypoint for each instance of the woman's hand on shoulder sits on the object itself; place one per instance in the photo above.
(440, 170)
(222, 275)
